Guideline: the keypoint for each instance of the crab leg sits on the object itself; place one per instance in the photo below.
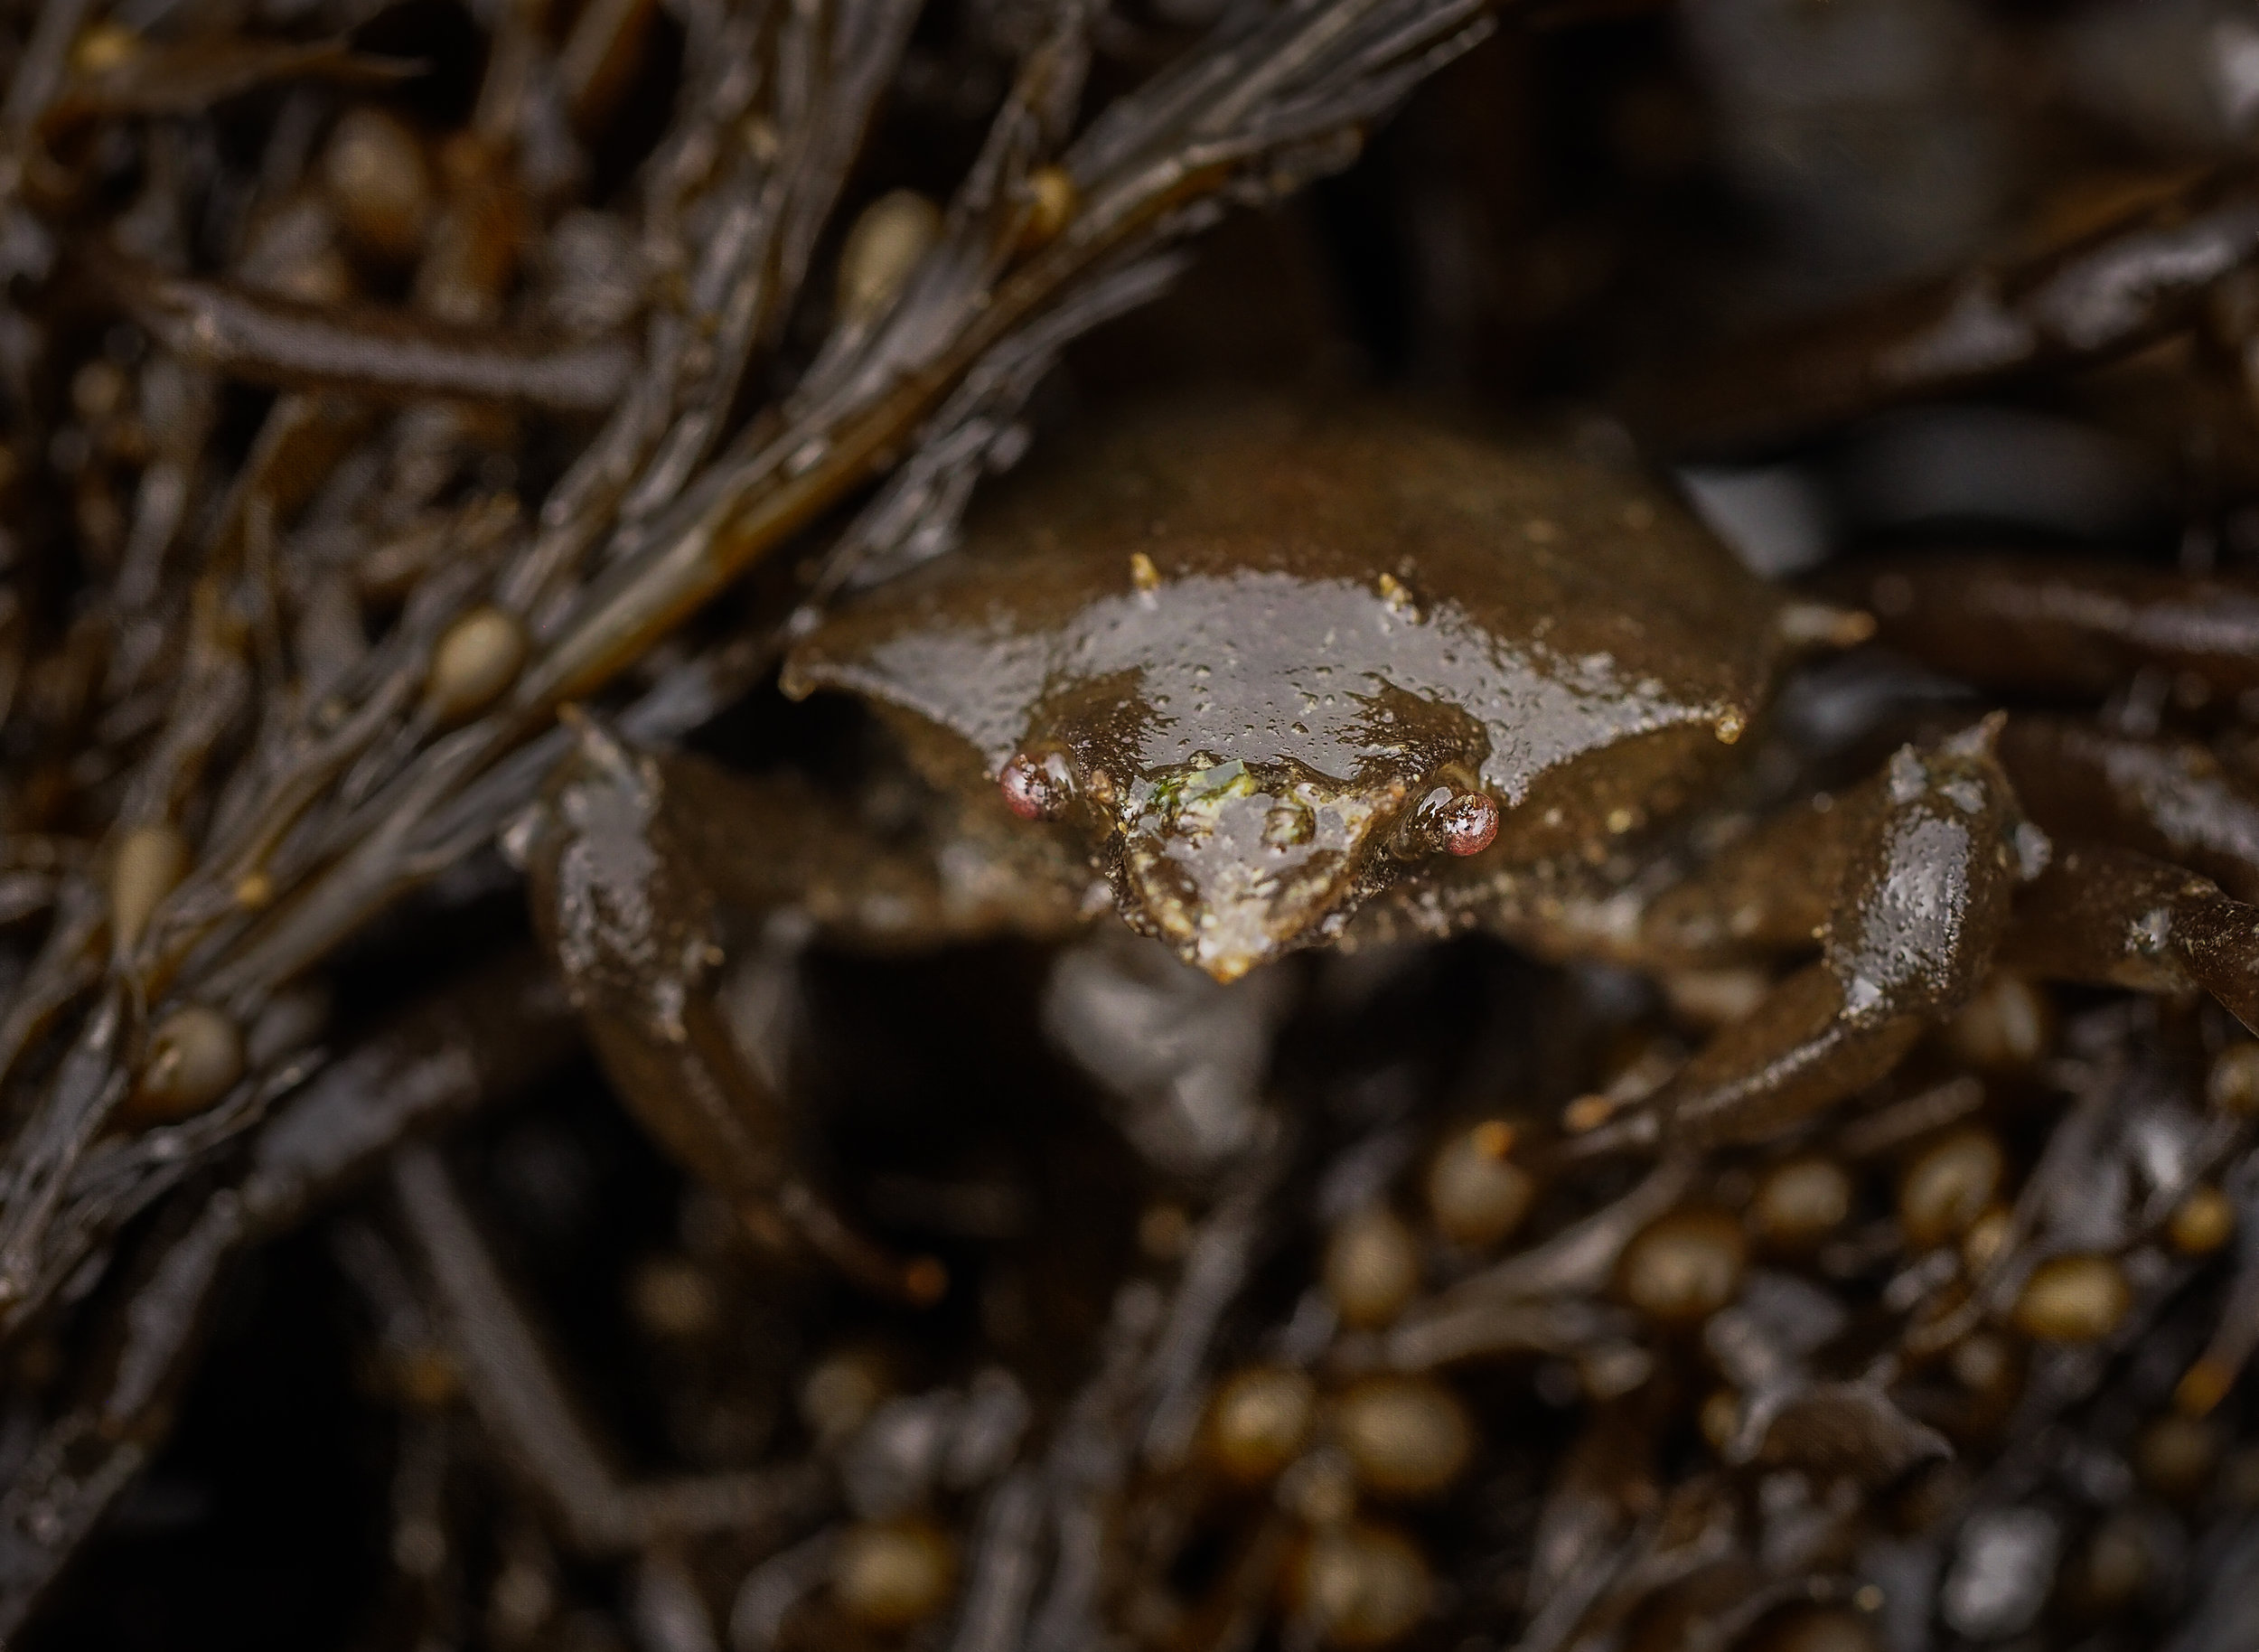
(2109, 916)
(1929, 863)
(775, 840)
(2035, 624)
(2171, 799)
(629, 919)
(1929, 860)
(2135, 279)
(1736, 906)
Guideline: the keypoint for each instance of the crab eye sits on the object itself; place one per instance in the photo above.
(1470, 821)
(1035, 788)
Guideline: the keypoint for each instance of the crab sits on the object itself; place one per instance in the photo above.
(1263, 679)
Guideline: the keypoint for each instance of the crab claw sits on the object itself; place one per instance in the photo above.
(1235, 872)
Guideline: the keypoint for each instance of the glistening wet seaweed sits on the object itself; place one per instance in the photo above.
(1714, 1106)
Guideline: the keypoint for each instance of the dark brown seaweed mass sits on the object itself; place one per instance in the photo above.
(1541, 941)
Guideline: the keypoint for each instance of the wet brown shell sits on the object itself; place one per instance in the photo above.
(1345, 591)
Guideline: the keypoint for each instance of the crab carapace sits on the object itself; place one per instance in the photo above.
(1270, 665)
